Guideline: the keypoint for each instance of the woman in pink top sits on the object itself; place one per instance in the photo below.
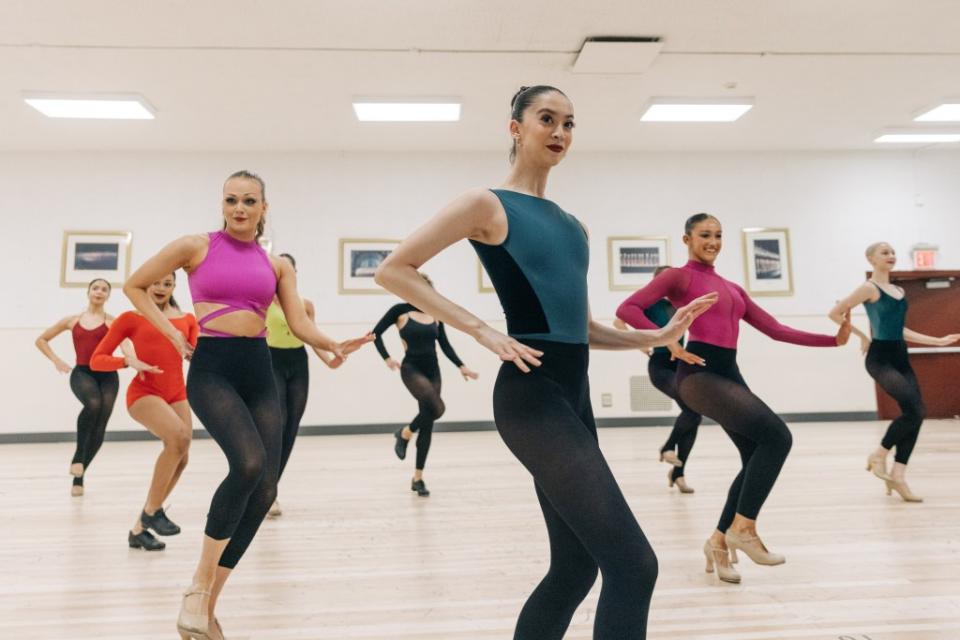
(709, 382)
(230, 385)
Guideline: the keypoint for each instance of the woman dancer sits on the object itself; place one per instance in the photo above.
(888, 364)
(420, 373)
(662, 370)
(537, 255)
(96, 390)
(291, 372)
(157, 399)
(709, 382)
(230, 385)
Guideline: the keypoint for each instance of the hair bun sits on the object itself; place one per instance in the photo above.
(513, 100)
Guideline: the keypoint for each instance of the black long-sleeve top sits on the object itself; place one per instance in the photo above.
(420, 338)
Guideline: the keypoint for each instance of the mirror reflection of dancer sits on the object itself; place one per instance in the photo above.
(537, 255)
(420, 373)
(888, 364)
(96, 390)
(230, 385)
(662, 371)
(709, 382)
(291, 372)
(157, 399)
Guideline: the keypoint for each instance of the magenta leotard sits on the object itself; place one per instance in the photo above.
(720, 324)
(236, 274)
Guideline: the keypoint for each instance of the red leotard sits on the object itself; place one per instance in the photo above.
(153, 348)
(86, 340)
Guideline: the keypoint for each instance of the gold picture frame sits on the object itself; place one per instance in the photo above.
(632, 260)
(358, 260)
(484, 285)
(767, 261)
(95, 255)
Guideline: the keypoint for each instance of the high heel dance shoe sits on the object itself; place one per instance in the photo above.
(420, 488)
(680, 482)
(878, 466)
(670, 456)
(400, 446)
(900, 486)
(194, 626)
(718, 559)
(754, 548)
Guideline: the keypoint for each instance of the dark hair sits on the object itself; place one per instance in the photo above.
(104, 281)
(173, 301)
(290, 258)
(249, 175)
(523, 99)
(696, 219)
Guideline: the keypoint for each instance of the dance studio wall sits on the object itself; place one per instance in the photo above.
(833, 203)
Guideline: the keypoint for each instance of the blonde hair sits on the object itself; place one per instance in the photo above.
(872, 249)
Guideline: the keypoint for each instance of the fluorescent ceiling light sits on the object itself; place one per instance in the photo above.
(914, 138)
(105, 107)
(696, 110)
(949, 112)
(379, 111)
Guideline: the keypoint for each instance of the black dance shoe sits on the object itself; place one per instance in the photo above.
(400, 446)
(420, 488)
(159, 522)
(144, 540)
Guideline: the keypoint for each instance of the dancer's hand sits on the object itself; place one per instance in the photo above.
(679, 353)
(468, 374)
(349, 346)
(141, 367)
(61, 366)
(392, 364)
(946, 341)
(508, 349)
(685, 315)
(843, 334)
(184, 348)
(864, 344)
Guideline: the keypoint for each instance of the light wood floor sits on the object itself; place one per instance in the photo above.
(357, 555)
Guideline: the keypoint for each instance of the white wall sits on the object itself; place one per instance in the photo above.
(833, 203)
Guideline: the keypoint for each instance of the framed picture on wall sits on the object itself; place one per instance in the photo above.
(483, 280)
(631, 260)
(88, 255)
(766, 255)
(359, 259)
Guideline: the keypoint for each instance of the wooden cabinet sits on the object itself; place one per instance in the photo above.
(934, 309)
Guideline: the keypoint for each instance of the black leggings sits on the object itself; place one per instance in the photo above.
(718, 391)
(887, 363)
(663, 375)
(291, 373)
(231, 389)
(421, 375)
(97, 390)
(546, 420)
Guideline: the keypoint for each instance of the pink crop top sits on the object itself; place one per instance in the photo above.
(236, 274)
(720, 324)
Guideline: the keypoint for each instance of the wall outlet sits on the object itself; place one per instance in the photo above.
(606, 399)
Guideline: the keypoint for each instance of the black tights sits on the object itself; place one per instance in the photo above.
(663, 375)
(97, 390)
(546, 420)
(421, 375)
(887, 363)
(762, 438)
(291, 373)
(231, 389)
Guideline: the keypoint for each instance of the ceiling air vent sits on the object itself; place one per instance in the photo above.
(617, 54)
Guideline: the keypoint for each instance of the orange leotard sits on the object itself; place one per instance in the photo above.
(153, 348)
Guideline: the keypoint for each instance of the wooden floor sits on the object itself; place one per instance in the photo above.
(357, 555)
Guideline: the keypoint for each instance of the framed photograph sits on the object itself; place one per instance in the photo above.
(88, 255)
(483, 280)
(766, 255)
(359, 259)
(631, 260)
